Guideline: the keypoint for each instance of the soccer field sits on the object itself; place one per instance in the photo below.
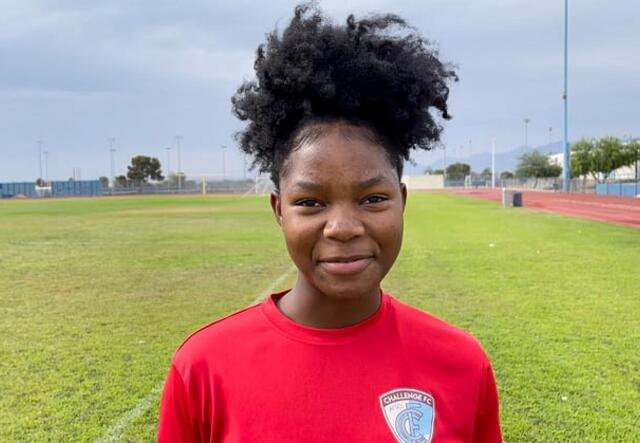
(96, 294)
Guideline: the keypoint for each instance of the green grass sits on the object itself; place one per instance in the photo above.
(96, 294)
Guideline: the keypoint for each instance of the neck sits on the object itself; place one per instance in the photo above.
(307, 306)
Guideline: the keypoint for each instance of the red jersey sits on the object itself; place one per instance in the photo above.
(401, 375)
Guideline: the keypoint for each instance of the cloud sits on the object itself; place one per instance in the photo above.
(29, 94)
(77, 72)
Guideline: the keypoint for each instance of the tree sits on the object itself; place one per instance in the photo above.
(505, 175)
(105, 181)
(40, 182)
(632, 150)
(438, 171)
(582, 153)
(121, 181)
(600, 157)
(143, 168)
(535, 164)
(610, 155)
(486, 173)
(176, 179)
(458, 171)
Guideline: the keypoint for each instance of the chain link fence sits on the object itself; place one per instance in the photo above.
(203, 186)
(621, 187)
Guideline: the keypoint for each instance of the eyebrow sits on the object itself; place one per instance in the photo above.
(378, 179)
(311, 186)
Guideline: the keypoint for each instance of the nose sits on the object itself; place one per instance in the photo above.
(343, 224)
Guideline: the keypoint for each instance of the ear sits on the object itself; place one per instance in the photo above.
(403, 190)
(276, 206)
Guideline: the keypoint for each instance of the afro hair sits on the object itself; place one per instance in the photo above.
(366, 72)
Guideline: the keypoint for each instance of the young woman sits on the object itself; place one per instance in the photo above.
(333, 114)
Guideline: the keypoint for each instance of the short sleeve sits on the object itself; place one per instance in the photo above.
(176, 420)
(487, 423)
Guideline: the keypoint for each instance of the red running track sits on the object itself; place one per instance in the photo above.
(607, 208)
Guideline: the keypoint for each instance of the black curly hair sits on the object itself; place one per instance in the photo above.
(361, 73)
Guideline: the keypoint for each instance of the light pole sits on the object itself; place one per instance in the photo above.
(550, 135)
(168, 166)
(46, 167)
(444, 165)
(40, 142)
(526, 132)
(244, 158)
(112, 151)
(637, 151)
(493, 162)
(178, 140)
(565, 126)
(224, 163)
(470, 161)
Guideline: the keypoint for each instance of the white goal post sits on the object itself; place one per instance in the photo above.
(208, 183)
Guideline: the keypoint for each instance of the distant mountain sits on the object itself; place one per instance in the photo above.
(505, 161)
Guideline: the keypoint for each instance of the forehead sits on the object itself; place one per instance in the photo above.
(338, 156)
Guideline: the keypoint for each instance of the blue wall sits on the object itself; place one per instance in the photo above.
(23, 188)
(622, 189)
(76, 188)
(58, 189)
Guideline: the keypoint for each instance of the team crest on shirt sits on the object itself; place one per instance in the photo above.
(410, 414)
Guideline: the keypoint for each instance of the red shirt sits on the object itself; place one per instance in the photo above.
(401, 375)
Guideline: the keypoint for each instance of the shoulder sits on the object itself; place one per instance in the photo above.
(216, 338)
(436, 336)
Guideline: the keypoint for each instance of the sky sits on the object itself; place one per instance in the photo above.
(74, 74)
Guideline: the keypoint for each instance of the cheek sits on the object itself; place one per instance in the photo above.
(389, 231)
(300, 237)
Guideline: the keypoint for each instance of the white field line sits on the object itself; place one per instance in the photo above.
(115, 431)
(273, 285)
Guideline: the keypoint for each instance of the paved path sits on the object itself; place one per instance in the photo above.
(612, 209)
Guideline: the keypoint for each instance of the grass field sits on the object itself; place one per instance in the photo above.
(96, 294)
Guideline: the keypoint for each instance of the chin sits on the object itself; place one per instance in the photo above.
(345, 289)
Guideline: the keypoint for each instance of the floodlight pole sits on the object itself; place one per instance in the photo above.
(112, 151)
(244, 159)
(224, 163)
(168, 167)
(40, 142)
(46, 167)
(526, 132)
(470, 162)
(493, 163)
(444, 166)
(637, 150)
(178, 140)
(565, 127)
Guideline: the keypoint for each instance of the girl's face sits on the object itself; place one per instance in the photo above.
(341, 207)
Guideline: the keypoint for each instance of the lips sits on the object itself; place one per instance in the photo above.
(346, 265)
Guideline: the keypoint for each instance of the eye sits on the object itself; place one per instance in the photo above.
(375, 199)
(308, 203)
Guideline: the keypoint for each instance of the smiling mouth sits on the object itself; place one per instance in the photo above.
(346, 265)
